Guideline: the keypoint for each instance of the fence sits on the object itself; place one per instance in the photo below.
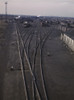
(69, 41)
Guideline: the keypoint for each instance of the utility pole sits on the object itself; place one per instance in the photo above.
(6, 11)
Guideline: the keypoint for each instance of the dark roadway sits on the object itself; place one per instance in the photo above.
(11, 82)
(4, 56)
(59, 70)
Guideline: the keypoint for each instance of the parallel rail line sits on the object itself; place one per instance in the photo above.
(39, 44)
(39, 98)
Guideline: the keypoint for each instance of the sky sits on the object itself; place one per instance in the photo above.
(39, 7)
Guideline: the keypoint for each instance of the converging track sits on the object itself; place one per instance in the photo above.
(37, 85)
(39, 48)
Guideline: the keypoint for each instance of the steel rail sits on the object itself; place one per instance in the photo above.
(46, 98)
(33, 77)
(25, 88)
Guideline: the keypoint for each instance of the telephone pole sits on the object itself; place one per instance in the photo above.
(6, 11)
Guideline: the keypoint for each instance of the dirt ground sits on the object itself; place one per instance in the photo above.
(11, 82)
(3, 54)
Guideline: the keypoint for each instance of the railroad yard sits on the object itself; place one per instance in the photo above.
(35, 63)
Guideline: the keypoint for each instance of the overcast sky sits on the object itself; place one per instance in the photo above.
(39, 7)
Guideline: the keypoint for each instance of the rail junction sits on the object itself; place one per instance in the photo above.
(46, 63)
(41, 48)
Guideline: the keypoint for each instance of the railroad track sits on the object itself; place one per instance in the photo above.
(32, 75)
(31, 69)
